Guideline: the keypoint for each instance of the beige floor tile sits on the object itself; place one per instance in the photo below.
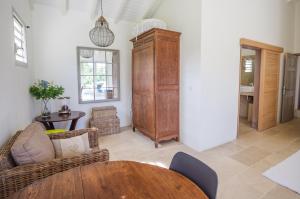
(281, 193)
(234, 189)
(250, 155)
(256, 181)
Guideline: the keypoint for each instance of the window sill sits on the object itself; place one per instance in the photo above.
(99, 101)
(21, 64)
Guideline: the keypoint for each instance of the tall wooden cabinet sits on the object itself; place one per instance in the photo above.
(155, 84)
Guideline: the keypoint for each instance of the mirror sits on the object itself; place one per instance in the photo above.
(98, 75)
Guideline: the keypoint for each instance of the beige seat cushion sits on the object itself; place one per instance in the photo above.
(33, 146)
(73, 146)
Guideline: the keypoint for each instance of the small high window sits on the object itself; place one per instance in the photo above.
(248, 66)
(99, 76)
(19, 40)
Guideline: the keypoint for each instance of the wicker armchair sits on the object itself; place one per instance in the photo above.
(14, 178)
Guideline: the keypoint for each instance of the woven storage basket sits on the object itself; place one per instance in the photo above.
(105, 119)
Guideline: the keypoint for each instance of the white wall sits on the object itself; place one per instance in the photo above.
(186, 18)
(210, 66)
(15, 101)
(297, 27)
(56, 37)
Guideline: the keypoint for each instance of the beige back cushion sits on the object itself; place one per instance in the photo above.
(33, 146)
(73, 146)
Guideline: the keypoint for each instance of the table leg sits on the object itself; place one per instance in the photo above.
(48, 126)
(73, 124)
(51, 125)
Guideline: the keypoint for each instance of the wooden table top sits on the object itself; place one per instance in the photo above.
(114, 180)
(56, 117)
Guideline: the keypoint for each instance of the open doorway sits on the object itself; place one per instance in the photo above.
(249, 89)
(259, 86)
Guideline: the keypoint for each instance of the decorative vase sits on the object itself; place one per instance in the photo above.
(46, 108)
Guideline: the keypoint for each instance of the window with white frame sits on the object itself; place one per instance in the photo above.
(99, 75)
(19, 39)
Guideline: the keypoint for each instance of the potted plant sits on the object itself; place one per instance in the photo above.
(45, 91)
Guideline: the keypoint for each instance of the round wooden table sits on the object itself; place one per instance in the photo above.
(56, 117)
(114, 180)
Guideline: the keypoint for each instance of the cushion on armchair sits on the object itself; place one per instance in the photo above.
(33, 146)
(73, 146)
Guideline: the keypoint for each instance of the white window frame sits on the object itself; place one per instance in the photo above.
(22, 39)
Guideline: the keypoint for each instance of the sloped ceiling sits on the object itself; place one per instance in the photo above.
(129, 10)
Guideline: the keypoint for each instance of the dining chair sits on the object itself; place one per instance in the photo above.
(196, 171)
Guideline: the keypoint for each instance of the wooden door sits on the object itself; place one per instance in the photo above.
(289, 87)
(143, 104)
(269, 85)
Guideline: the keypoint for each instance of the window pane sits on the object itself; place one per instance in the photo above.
(109, 69)
(87, 82)
(109, 81)
(100, 82)
(20, 52)
(18, 43)
(17, 25)
(100, 94)
(108, 57)
(87, 54)
(18, 35)
(87, 94)
(99, 56)
(21, 59)
(86, 68)
(100, 69)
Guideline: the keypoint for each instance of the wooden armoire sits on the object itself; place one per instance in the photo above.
(155, 84)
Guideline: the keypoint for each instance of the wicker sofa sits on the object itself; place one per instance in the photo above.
(14, 178)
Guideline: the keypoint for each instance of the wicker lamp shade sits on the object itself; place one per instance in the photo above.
(101, 35)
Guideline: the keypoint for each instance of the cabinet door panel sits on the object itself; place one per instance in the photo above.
(167, 111)
(167, 62)
(137, 111)
(143, 68)
(149, 115)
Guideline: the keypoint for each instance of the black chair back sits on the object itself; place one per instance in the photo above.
(196, 171)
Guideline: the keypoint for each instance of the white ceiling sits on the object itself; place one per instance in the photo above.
(129, 10)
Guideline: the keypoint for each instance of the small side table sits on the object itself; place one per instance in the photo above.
(56, 117)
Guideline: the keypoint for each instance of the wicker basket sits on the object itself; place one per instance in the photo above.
(105, 119)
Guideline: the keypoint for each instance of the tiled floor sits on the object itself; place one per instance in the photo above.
(239, 164)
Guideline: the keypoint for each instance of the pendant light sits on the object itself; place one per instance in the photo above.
(101, 35)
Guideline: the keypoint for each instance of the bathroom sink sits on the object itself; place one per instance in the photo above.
(246, 89)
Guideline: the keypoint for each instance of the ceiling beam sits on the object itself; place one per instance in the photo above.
(121, 10)
(152, 9)
(95, 8)
(64, 6)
